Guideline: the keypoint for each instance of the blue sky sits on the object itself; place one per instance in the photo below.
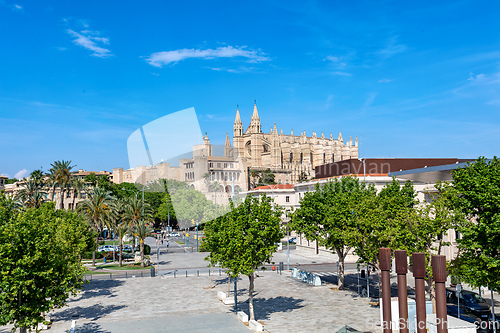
(410, 79)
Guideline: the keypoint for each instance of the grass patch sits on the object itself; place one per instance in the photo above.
(180, 242)
(125, 267)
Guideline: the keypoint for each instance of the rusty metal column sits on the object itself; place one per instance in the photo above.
(385, 268)
(401, 270)
(419, 275)
(439, 275)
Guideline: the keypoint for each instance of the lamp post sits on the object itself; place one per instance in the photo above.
(363, 160)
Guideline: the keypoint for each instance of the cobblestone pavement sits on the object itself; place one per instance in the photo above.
(167, 304)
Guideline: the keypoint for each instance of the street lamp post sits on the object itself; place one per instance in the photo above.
(363, 160)
(197, 238)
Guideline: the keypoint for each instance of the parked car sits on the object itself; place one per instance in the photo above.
(471, 301)
(127, 248)
(292, 240)
(173, 234)
(466, 315)
(106, 248)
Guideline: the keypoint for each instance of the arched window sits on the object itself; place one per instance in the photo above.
(291, 158)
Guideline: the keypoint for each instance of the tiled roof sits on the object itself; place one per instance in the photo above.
(274, 187)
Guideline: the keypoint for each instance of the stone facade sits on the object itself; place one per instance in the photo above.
(287, 155)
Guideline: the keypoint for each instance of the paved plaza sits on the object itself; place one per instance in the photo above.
(172, 302)
(168, 304)
(178, 304)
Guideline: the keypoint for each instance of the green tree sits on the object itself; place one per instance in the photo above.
(91, 179)
(245, 238)
(60, 176)
(330, 215)
(77, 186)
(382, 221)
(97, 209)
(427, 223)
(478, 260)
(166, 210)
(303, 177)
(266, 178)
(190, 205)
(39, 264)
(32, 194)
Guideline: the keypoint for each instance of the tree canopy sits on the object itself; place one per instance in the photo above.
(39, 261)
(245, 238)
(478, 188)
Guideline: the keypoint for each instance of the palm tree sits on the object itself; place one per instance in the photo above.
(254, 174)
(97, 209)
(77, 185)
(120, 226)
(142, 230)
(60, 175)
(136, 210)
(32, 194)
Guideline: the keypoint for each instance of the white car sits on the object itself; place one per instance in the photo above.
(106, 248)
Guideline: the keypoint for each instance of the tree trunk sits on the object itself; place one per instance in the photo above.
(74, 198)
(142, 252)
(121, 254)
(61, 203)
(212, 276)
(341, 256)
(22, 330)
(251, 278)
(93, 253)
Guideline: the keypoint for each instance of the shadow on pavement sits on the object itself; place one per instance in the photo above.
(91, 328)
(99, 288)
(264, 307)
(93, 312)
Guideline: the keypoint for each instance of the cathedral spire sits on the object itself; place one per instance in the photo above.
(255, 121)
(227, 147)
(255, 114)
(340, 137)
(356, 142)
(237, 120)
(238, 125)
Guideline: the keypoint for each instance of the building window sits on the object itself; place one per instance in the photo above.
(225, 165)
(218, 165)
(287, 198)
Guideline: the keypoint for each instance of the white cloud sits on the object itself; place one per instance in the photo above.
(478, 77)
(17, 7)
(61, 48)
(91, 40)
(341, 73)
(385, 80)
(392, 48)
(21, 174)
(159, 59)
(336, 60)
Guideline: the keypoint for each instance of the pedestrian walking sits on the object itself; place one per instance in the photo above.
(168, 243)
